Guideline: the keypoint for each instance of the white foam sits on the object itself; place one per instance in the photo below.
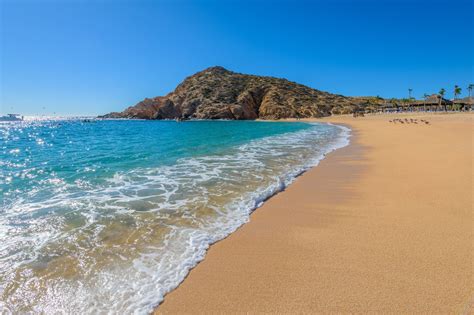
(168, 192)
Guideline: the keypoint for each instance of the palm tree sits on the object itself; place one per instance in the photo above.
(457, 91)
(469, 89)
(440, 98)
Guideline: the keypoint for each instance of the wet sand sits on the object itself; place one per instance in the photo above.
(384, 225)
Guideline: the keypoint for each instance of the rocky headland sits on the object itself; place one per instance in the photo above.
(217, 93)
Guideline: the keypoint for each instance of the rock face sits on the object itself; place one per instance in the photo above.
(217, 93)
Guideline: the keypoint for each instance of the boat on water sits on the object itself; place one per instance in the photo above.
(11, 117)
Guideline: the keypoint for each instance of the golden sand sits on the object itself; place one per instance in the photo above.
(384, 225)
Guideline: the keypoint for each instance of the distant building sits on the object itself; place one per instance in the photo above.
(432, 102)
(465, 101)
(435, 100)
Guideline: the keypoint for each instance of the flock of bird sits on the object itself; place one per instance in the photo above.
(409, 121)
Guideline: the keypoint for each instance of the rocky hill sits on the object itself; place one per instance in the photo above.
(217, 93)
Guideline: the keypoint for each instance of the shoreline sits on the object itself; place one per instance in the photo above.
(342, 141)
(350, 136)
(256, 268)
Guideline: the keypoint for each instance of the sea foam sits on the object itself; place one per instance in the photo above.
(120, 245)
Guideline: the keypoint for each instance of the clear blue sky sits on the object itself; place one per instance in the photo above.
(93, 57)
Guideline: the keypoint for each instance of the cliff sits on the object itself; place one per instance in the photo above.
(217, 93)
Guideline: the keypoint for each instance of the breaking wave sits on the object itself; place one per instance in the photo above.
(120, 244)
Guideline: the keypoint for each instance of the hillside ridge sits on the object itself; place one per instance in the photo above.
(218, 93)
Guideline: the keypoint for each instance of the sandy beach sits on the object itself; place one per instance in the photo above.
(384, 225)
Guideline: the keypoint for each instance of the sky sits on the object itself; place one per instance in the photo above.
(78, 57)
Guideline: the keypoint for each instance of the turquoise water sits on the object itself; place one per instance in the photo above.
(111, 215)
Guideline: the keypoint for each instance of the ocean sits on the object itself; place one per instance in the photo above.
(108, 216)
